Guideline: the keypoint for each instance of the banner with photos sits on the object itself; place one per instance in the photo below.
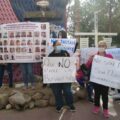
(23, 42)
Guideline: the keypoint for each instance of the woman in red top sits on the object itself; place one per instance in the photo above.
(100, 90)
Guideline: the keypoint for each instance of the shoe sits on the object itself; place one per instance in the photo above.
(106, 113)
(112, 92)
(96, 109)
(10, 86)
(117, 96)
(91, 100)
(59, 109)
(72, 108)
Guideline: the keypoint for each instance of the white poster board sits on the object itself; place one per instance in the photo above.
(68, 44)
(115, 53)
(86, 53)
(106, 71)
(23, 42)
(59, 69)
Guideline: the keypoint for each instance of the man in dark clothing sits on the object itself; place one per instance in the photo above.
(58, 88)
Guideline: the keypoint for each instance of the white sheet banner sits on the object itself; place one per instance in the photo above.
(106, 71)
(23, 42)
(86, 53)
(59, 69)
(69, 44)
(115, 53)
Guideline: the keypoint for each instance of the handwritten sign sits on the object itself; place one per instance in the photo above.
(106, 71)
(115, 53)
(59, 69)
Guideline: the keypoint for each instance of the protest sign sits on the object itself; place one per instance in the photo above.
(86, 53)
(23, 42)
(68, 44)
(115, 53)
(59, 69)
(106, 71)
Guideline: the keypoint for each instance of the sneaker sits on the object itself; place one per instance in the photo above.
(59, 109)
(96, 109)
(91, 100)
(112, 92)
(117, 96)
(72, 108)
(106, 113)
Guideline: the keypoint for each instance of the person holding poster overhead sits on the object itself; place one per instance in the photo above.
(58, 88)
(100, 90)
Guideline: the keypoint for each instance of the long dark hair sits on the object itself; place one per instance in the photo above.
(62, 33)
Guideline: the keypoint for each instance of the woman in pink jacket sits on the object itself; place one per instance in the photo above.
(101, 90)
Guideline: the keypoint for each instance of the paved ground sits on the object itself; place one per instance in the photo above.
(83, 113)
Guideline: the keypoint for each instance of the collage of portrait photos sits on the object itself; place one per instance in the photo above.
(25, 44)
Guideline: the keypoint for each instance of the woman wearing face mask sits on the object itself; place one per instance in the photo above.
(100, 90)
(58, 88)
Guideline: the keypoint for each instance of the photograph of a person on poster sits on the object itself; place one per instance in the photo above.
(18, 50)
(29, 42)
(43, 26)
(6, 57)
(12, 57)
(18, 42)
(23, 34)
(17, 34)
(11, 34)
(30, 50)
(11, 42)
(29, 34)
(36, 34)
(5, 50)
(37, 57)
(1, 50)
(0, 43)
(37, 49)
(1, 57)
(37, 42)
(23, 42)
(5, 42)
(43, 34)
(12, 50)
(24, 49)
(43, 42)
(5, 35)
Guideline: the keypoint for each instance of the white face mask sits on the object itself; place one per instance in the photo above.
(101, 49)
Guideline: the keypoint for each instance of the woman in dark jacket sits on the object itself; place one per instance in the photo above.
(58, 88)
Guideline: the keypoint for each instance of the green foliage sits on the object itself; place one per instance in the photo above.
(108, 16)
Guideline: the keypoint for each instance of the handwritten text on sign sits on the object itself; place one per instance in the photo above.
(59, 69)
(106, 71)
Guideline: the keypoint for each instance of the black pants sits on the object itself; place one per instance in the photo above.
(101, 90)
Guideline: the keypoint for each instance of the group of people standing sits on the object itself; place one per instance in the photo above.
(65, 88)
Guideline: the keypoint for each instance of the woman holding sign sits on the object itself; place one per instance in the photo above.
(100, 90)
(58, 88)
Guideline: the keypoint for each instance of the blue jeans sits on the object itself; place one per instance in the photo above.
(8, 67)
(27, 72)
(57, 89)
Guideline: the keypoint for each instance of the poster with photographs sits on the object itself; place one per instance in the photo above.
(23, 42)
